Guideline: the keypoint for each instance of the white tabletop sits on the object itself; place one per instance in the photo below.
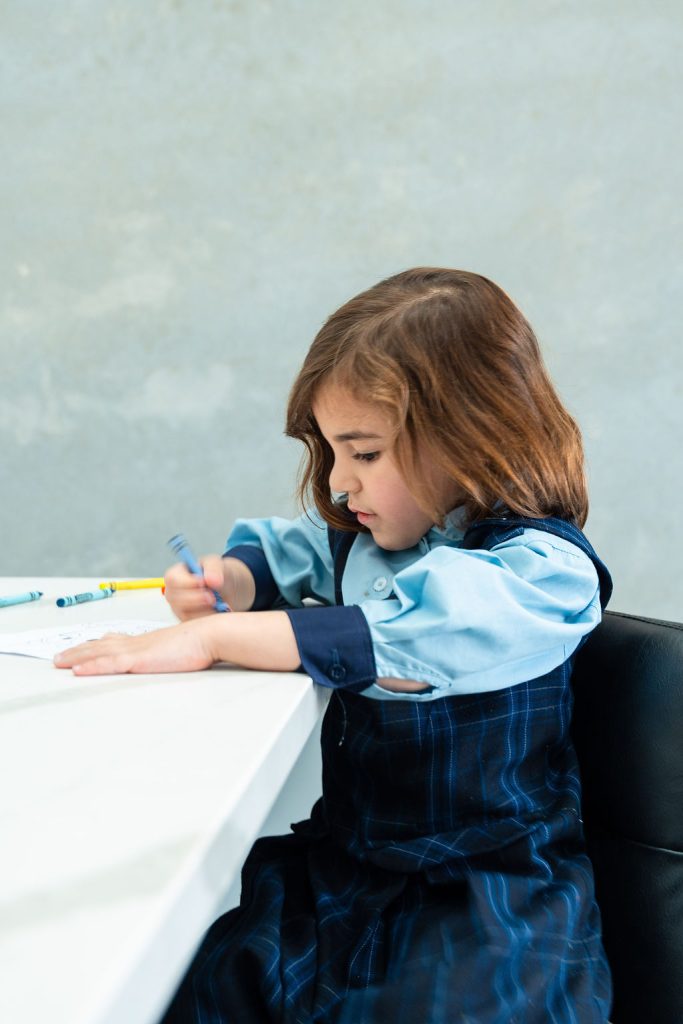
(128, 805)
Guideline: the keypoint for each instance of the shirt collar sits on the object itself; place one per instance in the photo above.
(453, 526)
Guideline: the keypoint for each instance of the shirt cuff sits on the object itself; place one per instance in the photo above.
(335, 646)
(253, 557)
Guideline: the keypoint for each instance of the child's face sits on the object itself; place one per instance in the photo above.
(361, 439)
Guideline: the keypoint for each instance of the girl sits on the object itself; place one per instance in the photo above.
(442, 877)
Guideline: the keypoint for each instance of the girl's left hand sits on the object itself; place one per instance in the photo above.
(183, 648)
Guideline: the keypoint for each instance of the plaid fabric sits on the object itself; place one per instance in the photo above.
(441, 878)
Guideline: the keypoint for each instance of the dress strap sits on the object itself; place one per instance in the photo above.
(340, 542)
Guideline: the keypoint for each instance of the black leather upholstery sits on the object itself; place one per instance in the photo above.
(628, 730)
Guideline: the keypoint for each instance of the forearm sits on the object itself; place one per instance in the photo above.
(258, 640)
(262, 641)
(265, 641)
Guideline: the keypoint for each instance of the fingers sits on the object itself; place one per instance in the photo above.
(183, 648)
(188, 595)
(213, 571)
(108, 656)
(107, 665)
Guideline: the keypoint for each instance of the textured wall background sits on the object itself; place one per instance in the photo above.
(188, 189)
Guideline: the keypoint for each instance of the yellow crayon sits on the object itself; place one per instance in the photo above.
(132, 584)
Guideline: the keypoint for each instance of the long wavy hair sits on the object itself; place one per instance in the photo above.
(453, 363)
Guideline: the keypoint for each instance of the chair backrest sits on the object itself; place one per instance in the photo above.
(628, 730)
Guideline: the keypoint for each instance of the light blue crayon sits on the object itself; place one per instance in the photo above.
(96, 595)
(30, 595)
(182, 549)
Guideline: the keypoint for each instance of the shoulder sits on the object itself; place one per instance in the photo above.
(552, 539)
(549, 560)
(545, 544)
(528, 559)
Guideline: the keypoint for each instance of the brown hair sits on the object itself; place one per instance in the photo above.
(449, 357)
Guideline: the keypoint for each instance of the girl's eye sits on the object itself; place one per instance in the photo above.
(365, 456)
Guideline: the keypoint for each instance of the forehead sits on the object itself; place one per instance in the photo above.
(343, 417)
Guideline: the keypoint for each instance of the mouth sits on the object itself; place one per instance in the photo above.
(362, 517)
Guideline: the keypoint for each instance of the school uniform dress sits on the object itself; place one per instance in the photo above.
(442, 877)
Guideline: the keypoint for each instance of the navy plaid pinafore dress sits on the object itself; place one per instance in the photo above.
(441, 878)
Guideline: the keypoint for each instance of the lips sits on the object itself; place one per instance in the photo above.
(362, 517)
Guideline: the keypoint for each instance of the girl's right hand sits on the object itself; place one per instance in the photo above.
(191, 596)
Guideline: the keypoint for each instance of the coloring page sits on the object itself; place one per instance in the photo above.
(45, 643)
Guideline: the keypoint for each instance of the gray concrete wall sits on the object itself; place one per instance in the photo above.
(189, 188)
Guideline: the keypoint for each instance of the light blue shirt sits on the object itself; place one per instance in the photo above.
(463, 621)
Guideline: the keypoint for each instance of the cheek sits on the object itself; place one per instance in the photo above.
(403, 505)
(396, 494)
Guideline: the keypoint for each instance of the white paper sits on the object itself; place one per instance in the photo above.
(45, 643)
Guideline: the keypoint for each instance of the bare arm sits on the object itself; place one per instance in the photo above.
(255, 640)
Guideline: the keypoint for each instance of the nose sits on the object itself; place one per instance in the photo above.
(343, 478)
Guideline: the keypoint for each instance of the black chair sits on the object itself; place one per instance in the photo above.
(628, 730)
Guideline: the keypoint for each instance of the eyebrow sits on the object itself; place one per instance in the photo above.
(356, 435)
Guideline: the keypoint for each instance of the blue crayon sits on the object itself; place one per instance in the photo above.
(30, 595)
(96, 595)
(181, 548)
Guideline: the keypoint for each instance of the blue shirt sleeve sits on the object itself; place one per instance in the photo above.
(466, 621)
(460, 621)
(289, 558)
(291, 561)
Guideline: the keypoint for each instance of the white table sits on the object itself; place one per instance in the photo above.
(128, 805)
